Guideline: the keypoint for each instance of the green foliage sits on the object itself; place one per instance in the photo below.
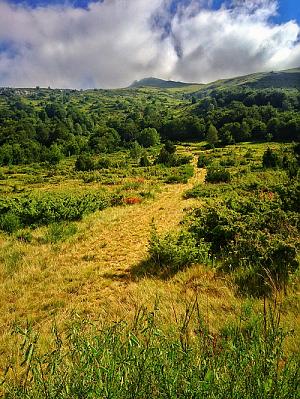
(54, 155)
(253, 237)
(60, 231)
(29, 210)
(181, 175)
(9, 222)
(176, 251)
(217, 174)
(203, 161)
(144, 161)
(246, 360)
(271, 159)
(148, 137)
(84, 162)
(212, 135)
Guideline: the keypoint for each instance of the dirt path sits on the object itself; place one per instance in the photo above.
(118, 241)
(90, 274)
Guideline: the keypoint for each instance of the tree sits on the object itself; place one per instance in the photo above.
(270, 159)
(136, 151)
(148, 137)
(54, 155)
(212, 135)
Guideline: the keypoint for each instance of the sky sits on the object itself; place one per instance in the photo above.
(111, 43)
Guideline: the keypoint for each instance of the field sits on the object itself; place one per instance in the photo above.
(149, 240)
(113, 259)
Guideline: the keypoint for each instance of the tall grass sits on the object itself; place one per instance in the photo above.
(245, 360)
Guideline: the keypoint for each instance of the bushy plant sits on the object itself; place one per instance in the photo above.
(32, 210)
(60, 231)
(84, 163)
(271, 159)
(176, 251)
(10, 222)
(255, 234)
(217, 174)
(203, 161)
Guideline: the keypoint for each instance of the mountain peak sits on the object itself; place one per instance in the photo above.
(158, 83)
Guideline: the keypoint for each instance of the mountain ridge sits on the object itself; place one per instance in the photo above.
(289, 78)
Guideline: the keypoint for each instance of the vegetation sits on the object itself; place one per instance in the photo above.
(110, 199)
(141, 360)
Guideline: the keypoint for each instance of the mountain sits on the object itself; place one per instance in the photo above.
(158, 83)
(287, 79)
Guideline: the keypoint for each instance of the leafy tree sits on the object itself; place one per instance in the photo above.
(148, 137)
(212, 135)
(55, 154)
(136, 151)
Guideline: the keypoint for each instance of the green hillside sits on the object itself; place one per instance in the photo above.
(288, 79)
(158, 83)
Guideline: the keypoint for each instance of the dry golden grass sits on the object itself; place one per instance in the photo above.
(90, 274)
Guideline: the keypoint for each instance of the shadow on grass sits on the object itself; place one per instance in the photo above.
(148, 268)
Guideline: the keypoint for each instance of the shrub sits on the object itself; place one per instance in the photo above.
(271, 159)
(144, 161)
(103, 163)
(180, 175)
(31, 210)
(217, 175)
(84, 163)
(176, 251)
(250, 234)
(203, 161)
(60, 232)
(10, 222)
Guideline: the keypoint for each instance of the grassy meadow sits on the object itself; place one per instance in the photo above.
(149, 240)
(109, 283)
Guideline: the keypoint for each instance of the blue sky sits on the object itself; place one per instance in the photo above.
(115, 42)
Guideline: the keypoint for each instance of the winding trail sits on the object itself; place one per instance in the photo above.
(90, 274)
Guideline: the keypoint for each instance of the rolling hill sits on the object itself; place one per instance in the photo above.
(287, 79)
(158, 83)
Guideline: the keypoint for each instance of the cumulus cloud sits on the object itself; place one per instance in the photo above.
(113, 42)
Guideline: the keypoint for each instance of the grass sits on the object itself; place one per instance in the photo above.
(91, 274)
(141, 360)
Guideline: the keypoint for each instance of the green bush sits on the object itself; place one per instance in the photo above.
(203, 161)
(144, 161)
(251, 234)
(9, 222)
(271, 159)
(176, 251)
(217, 175)
(31, 210)
(84, 163)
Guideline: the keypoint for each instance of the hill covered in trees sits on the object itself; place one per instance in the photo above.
(44, 125)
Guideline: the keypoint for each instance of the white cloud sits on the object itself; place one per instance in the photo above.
(114, 42)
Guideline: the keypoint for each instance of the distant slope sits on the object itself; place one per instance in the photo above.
(159, 83)
(288, 79)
